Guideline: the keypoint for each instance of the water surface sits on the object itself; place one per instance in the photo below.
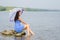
(45, 25)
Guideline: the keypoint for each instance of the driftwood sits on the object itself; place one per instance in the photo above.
(12, 33)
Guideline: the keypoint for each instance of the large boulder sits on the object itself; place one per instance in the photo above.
(12, 33)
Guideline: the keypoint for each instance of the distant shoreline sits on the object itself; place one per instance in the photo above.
(7, 8)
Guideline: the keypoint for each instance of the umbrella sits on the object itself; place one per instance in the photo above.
(13, 13)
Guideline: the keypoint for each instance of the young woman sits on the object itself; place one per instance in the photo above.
(18, 26)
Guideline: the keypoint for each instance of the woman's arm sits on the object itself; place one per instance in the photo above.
(22, 20)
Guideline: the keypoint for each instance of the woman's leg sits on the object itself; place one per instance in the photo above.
(28, 29)
(31, 31)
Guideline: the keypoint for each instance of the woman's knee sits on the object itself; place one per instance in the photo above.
(26, 26)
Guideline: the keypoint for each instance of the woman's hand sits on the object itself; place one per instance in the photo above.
(22, 20)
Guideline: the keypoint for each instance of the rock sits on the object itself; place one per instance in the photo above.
(6, 32)
(20, 34)
(12, 32)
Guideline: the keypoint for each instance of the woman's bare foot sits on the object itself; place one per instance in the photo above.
(32, 33)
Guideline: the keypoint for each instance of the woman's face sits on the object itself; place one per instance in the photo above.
(20, 13)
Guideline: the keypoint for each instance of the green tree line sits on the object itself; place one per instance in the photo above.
(2, 8)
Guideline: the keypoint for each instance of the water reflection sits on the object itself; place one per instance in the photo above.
(23, 38)
(15, 38)
(28, 38)
(19, 38)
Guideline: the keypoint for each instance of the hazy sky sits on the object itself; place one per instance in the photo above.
(42, 4)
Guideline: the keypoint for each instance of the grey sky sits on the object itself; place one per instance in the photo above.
(42, 4)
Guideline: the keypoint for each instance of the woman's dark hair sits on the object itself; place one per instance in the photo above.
(16, 16)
